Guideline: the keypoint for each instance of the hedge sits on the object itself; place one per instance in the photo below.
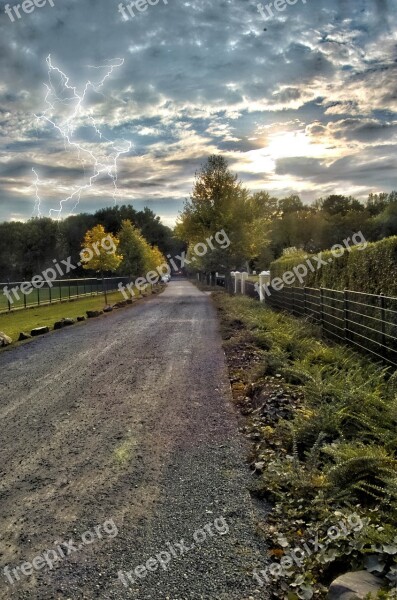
(372, 269)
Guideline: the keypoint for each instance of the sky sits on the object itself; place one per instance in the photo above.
(304, 102)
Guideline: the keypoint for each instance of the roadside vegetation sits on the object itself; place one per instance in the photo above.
(322, 421)
(373, 271)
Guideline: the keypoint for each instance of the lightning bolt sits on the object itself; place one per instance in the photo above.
(37, 204)
(63, 97)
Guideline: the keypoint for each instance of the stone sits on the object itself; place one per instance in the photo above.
(108, 309)
(5, 340)
(68, 321)
(120, 304)
(356, 584)
(129, 301)
(63, 323)
(91, 314)
(24, 336)
(39, 331)
(80, 319)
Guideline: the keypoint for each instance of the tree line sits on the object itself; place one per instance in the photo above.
(262, 227)
(29, 248)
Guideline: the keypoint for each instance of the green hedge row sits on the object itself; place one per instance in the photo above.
(371, 269)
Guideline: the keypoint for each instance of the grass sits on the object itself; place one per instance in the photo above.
(323, 419)
(43, 294)
(25, 320)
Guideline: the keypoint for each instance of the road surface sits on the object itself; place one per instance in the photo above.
(120, 452)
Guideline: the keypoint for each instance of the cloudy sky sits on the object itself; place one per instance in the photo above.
(304, 102)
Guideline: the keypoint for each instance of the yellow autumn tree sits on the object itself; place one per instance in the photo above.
(99, 252)
(156, 258)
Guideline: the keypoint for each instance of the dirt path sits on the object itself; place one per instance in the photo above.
(125, 423)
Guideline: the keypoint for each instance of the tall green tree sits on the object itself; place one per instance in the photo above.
(220, 202)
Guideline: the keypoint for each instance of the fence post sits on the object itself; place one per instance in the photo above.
(237, 278)
(8, 299)
(383, 317)
(304, 301)
(346, 313)
(244, 277)
(49, 290)
(232, 282)
(322, 308)
(264, 282)
(60, 292)
(69, 290)
(38, 296)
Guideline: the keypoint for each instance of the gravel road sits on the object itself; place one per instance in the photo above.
(118, 434)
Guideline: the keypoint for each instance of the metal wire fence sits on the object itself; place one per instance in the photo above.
(22, 295)
(366, 321)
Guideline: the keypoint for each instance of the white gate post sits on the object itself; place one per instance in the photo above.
(237, 278)
(244, 277)
(264, 279)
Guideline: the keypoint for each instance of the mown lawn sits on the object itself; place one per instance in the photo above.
(25, 320)
(44, 294)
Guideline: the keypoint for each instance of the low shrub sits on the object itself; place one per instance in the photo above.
(330, 452)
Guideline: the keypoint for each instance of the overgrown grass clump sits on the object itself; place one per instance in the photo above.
(332, 454)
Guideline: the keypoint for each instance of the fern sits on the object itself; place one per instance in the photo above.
(313, 456)
(361, 469)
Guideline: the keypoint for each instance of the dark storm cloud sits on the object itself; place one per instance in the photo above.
(356, 169)
(18, 168)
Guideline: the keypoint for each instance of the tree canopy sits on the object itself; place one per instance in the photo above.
(261, 227)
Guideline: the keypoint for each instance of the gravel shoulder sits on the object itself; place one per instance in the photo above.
(128, 418)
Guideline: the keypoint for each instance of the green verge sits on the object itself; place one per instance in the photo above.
(40, 316)
(323, 421)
